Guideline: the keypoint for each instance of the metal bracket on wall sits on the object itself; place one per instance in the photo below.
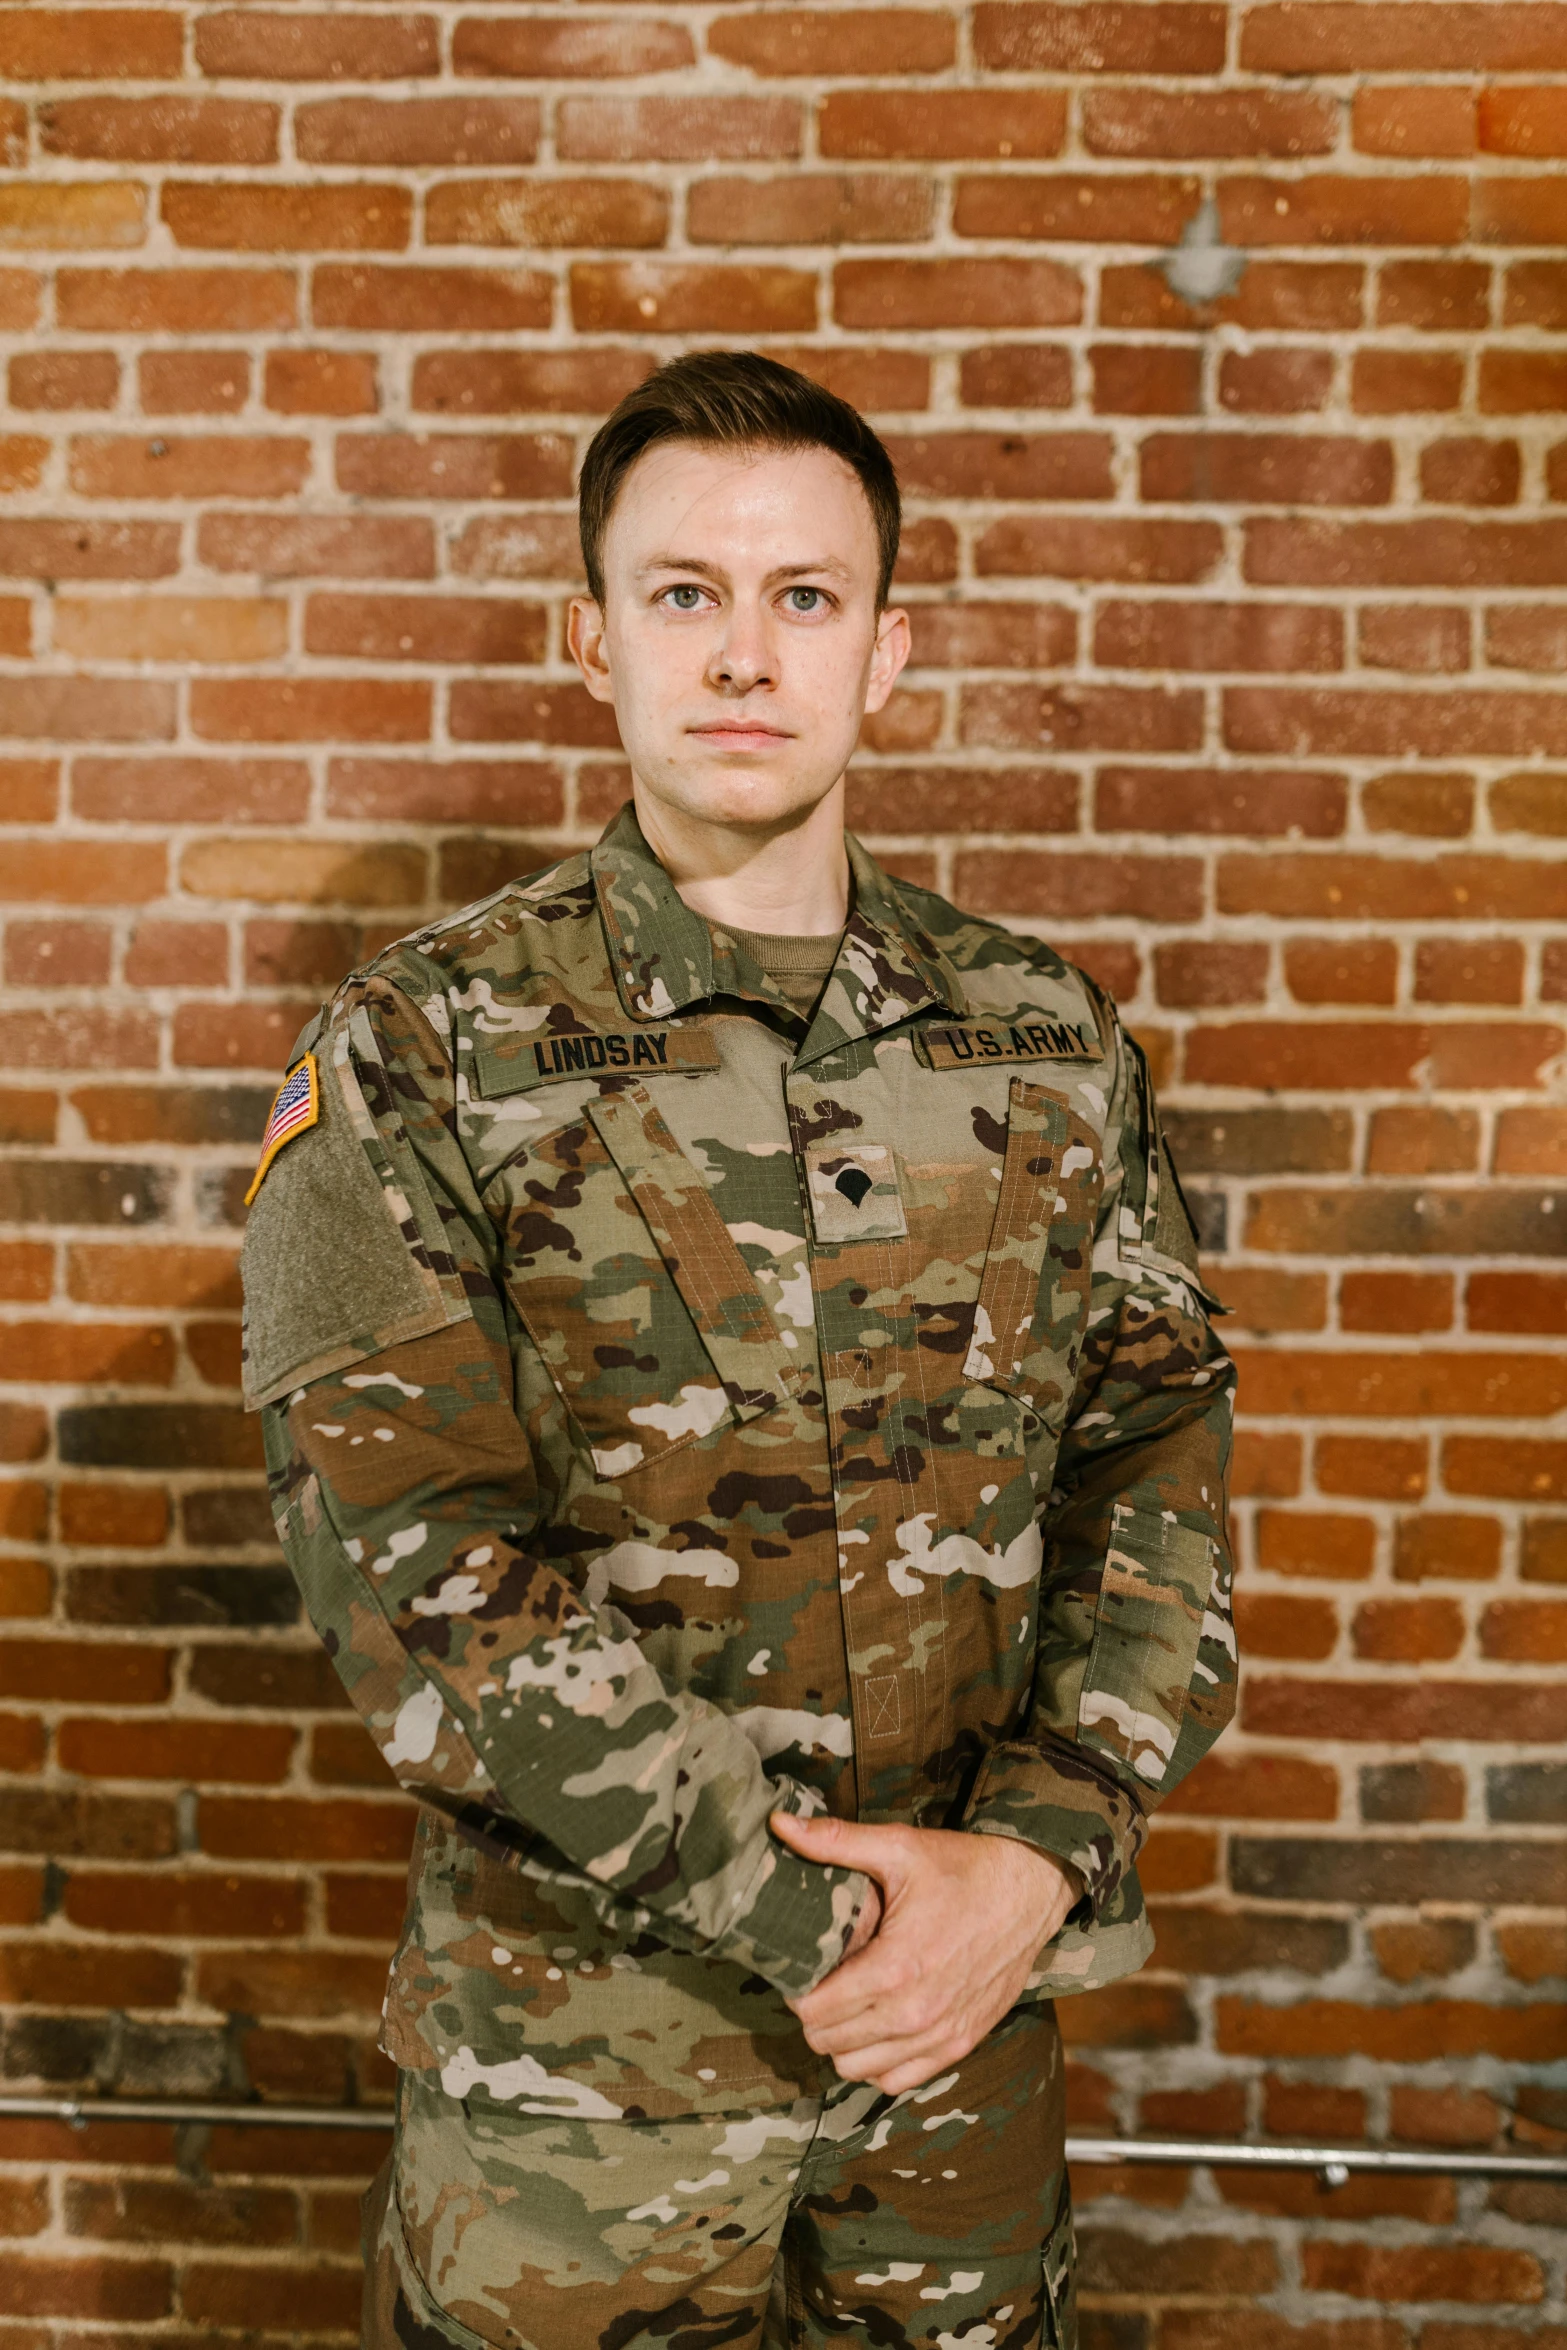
(1334, 2165)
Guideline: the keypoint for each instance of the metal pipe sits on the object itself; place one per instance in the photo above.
(1333, 2164)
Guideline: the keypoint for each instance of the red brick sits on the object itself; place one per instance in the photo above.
(1378, 1468)
(975, 293)
(234, 216)
(190, 790)
(323, 546)
(321, 383)
(164, 129)
(1468, 1548)
(835, 42)
(1469, 971)
(1534, 294)
(1318, 1544)
(1532, 1953)
(592, 46)
(467, 629)
(411, 298)
(1090, 547)
(925, 799)
(1341, 971)
(276, 46)
(1053, 36)
(930, 125)
(647, 297)
(1432, 807)
(1525, 1632)
(492, 711)
(439, 131)
(83, 709)
(56, 44)
(1016, 375)
(1190, 972)
(1414, 121)
(1002, 465)
(692, 129)
(1518, 1301)
(310, 709)
(1178, 1860)
(1265, 1300)
(1327, 208)
(1512, 209)
(289, 2299)
(177, 301)
(24, 1432)
(62, 954)
(236, 1036)
(63, 379)
(44, 2285)
(104, 1516)
(1429, 638)
(1445, 297)
(1408, 1631)
(1396, 1301)
(1423, 1140)
(1078, 886)
(1266, 468)
(1279, 382)
(1189, 124)
(1319, 297)
(78, 1672)
(545, 212)
(29, 791)
(194, 1752)
(1218, 636)
(218, 466)
(1422, 2272)
(808, 208)
(354, 873)
(1471, 472)
(1015, 716)
(163, 628)
(78, 1353)
(278, 1827)
(504, 383)
(1521, 1469)
(68, 216)
(192, 383)
(461, 791)
(1434, 1948)
(26, 1266)
(1259, 1786)
(1472, 888)
(1283, 1625)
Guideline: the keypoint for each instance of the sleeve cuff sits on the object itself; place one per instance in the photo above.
(1050, 1795)
(796, 1918)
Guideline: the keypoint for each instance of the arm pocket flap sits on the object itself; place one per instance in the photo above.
(1157, 1576)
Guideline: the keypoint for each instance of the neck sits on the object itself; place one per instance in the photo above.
(791, 879)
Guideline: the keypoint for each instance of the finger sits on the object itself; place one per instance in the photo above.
(844, 1844)
(873, 1979)
(910, 2060)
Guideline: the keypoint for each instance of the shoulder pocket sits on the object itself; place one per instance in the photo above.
(1033, 1295)
(1152, 1599)
(631, 1288)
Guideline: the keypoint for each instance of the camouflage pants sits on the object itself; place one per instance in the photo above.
(939, 2219)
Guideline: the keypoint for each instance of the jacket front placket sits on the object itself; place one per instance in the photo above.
(878, 1387)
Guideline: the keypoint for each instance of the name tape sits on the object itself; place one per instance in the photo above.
(548, 1060)
(997, 1040)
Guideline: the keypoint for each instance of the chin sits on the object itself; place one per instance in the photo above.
(742, 791)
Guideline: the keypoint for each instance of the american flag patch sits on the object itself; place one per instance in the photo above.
(298, 1106)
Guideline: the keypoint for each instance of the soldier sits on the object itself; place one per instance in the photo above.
(746, 1423)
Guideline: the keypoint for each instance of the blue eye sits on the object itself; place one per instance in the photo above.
(685, 598)
(812, 596)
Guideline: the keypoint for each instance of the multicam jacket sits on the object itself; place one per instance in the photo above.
(678, 1411)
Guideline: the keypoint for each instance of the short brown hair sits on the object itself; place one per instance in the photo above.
(732, 399)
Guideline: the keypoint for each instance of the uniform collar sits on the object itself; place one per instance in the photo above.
(661, 952)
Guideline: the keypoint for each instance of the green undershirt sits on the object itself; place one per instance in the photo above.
(798, 966)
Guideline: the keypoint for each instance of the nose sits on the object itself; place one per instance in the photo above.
(742, 659)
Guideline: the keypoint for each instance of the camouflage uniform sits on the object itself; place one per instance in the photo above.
(678, 1411)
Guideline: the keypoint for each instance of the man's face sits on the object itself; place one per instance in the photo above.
(739, 639)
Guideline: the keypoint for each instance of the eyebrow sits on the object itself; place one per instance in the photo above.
(694, 563)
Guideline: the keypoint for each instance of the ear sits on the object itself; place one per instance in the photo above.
(893, 645)
(585, 643)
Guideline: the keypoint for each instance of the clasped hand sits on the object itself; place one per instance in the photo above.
(942, 1950)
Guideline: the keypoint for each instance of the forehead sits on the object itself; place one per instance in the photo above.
(686, 498)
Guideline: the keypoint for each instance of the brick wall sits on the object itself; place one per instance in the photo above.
(1240, 637)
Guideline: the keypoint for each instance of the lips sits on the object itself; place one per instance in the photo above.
(740, 737)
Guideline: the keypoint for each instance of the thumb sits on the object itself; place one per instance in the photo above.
(845, 1844)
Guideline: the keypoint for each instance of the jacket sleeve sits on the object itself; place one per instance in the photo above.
(415, 1512)
(1136, 1668)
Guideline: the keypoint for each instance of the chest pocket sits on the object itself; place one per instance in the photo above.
(1033, 1294)
(637, 1299)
